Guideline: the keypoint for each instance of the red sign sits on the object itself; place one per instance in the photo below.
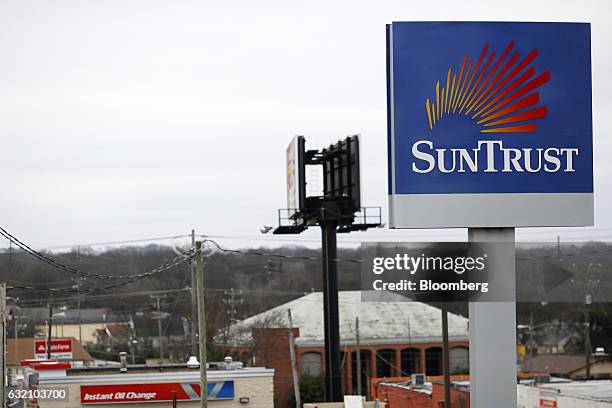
(548, 398)
(154, 392)
(61, 349)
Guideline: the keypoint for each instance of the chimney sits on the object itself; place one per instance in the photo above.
(123, 357)
(228, 363)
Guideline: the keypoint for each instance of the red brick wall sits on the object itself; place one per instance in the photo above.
(272, 351)
(399, 397)
(459, 399)
(402, 397)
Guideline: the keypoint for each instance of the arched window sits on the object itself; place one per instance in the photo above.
(311, 363)
(385, 359)
(459, 360)
(433, 361)
(410, 361)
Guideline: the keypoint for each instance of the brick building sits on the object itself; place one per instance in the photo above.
(429, 395)
(398, 338)
(23, 349)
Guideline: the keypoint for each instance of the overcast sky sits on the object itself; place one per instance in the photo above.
(133, 119)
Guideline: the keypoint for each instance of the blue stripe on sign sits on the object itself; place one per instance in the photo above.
(220, 390)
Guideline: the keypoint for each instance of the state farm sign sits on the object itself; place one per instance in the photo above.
(61, 349)
(154, 392)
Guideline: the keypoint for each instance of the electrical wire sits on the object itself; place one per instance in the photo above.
(133, 278)
(72, 270)
(281, 256)
(261, 292)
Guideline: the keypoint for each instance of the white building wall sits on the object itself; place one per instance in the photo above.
(529, 397)
(259, 390)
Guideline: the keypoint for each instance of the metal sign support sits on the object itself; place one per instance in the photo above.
(493, 328)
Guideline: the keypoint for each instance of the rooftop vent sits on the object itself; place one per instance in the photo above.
(193, 362)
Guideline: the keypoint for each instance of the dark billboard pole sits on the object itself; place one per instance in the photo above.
(333, 376)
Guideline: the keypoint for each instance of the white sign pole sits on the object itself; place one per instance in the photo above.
(493, 328)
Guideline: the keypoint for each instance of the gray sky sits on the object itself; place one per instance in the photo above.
(132, 119)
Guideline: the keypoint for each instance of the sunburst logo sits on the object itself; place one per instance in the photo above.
(500, 99)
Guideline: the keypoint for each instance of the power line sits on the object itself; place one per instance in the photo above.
(281, 256)
(75, 271)
(262, 292)
(359, 261)
(129, 241)
(133, 278)
(105, 296)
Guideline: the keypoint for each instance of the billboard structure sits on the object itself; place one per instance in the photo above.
(296, 186)
(340, 167)
(489, 124)
(337, 210)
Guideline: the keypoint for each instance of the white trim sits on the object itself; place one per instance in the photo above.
(491, 210)
(158, 377)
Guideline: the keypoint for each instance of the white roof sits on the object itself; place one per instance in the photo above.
(394, 320)
(599, 390)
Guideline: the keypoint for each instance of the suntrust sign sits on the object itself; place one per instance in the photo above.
(489, 124)
(428, 158)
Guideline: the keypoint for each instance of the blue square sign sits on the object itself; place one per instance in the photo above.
(489, 124)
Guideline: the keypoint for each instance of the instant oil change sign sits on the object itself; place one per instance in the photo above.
(489, 124)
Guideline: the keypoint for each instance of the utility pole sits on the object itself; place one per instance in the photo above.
(16, 334)
(358, 354)
(530, 346)
(194, 302)
(201, 325)
(587, 335)
(294, 373)
(50, 326)
(233, 297)
(3, 342)
(78, 296)
(445, 357)
(132, 340)
(158, 299)
(589, 283)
